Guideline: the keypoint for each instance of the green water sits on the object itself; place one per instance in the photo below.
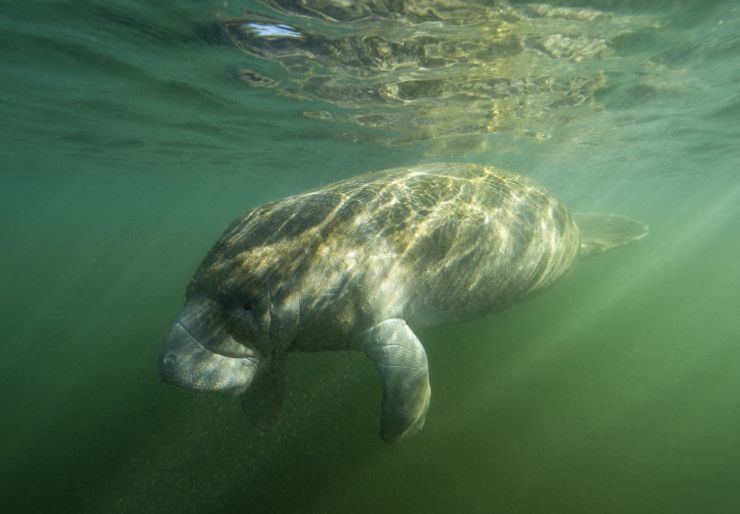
(128, 142)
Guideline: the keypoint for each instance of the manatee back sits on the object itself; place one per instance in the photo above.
(602, 232)
(433, 243)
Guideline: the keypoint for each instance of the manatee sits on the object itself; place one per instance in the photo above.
(363, 264)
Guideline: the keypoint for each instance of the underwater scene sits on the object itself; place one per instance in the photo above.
(158, 356)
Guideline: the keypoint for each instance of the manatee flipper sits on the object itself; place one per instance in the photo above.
(263, 401)
(602, 232)
(402, 364)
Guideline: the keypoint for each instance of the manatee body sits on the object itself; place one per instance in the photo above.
(362, 264)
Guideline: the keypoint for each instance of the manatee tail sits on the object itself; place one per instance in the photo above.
(602, 232)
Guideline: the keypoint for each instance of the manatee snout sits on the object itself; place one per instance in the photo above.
(199, 354)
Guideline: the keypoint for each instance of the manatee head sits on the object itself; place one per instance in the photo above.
(214, 347)
(239, 317)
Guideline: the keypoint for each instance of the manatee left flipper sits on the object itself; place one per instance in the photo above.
(263, 401)
(402, 364)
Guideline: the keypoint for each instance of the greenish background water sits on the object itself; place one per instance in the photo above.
(128, 143)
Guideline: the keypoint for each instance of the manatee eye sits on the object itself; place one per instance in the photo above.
(243, 325)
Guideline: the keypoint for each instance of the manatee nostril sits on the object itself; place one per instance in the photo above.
(168, 360)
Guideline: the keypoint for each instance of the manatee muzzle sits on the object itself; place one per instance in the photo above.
(187, 358)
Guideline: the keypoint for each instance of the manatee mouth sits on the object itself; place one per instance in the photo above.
(186, 362)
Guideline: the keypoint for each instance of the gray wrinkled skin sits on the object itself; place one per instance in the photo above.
(361, 265)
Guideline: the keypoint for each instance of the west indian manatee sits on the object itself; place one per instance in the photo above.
(362, 265)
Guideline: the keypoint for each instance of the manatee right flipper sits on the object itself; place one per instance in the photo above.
(263, 401)
(402, 364)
